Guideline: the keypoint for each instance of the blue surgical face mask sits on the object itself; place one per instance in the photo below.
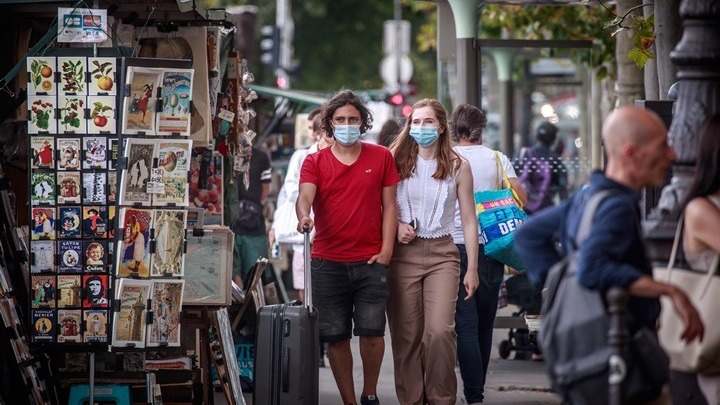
(347, 135)
(424, 136)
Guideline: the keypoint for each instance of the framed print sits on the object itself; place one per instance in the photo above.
(69, 222)
(95, 291)
(72, 115)
(140, 107)
(41, 115)
(43, 224)
(71, 254)
(174, 163)
(95, 321)
(175, 96)
(69, 326)
(94, 256)
(129, 322)
(208, 267)
(94, 185)
(94, 221)
(42, 185)
(69, 291)
(102, 114)
(133, 253)
(44, 328)
(69, 183)
(133, 188)
(102, 76)
(43, 291)
(166, 297)
(206, 184)
(94, 152)
(169, 227)
(69, 150)
(72, 76)
(41, 75)
(43, 152)
(42, 256)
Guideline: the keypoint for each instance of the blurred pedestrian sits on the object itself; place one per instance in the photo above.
(425, 269)
(388, 132)
(542, 173)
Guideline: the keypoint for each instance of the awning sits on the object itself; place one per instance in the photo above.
(308, 100)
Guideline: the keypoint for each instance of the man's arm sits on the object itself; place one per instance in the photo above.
(535, 243)
(304, 204)
(264, 192)
(389, 225)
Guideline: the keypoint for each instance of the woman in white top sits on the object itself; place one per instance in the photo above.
(475, 315)
(425, 268)
(701, 240)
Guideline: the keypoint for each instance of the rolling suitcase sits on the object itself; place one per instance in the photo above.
(287, 350)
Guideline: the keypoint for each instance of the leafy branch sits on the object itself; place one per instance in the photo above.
(643, 30)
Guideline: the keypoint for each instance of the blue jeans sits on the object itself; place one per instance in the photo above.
(474, 321)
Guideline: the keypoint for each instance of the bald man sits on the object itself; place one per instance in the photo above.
(613, 255)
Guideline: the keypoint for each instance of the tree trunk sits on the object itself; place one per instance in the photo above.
(650, 70)
(630, 79)
(668, 31)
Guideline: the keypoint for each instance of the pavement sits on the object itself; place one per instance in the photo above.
(509, 382)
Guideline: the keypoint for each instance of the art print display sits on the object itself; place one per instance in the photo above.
(43, 291)
(94, 185)
(102, 114)
(94, 257)
(42, 256)
(112, 188)
(41, 115)
(43, 152)
(169, 227)
(43, 224)
(129, 322)
(69, 326)
(71, 253)
(94, 222)
(43, 329)
(69, 151)
(140, 107)
(71, 118)
(102, 76)
(72, 76)
(175, 96)
(69, 182)
(174, 162)
(208, 267)
(114, 151)
(69, 218)
(69, 292)
(133, 253)
(206, 184)
(41, 75)
(140, 154)
(166, 297)
(94, 152)
(95, 321)
(111, 224)
(95, 291)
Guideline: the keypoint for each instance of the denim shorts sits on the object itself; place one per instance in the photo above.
(347, 293)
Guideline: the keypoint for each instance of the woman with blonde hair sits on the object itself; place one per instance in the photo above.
(425, 268)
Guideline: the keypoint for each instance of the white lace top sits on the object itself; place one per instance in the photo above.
(430, 201)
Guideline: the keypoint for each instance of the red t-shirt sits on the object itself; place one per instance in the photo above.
(348, 202)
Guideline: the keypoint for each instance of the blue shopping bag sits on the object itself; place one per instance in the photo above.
(499, 218)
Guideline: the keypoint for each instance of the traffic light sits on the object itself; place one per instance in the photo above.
(396, 99)
(270, 46)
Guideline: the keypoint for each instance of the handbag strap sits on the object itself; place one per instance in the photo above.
(673, 256)
(587, 217)
(504, 182)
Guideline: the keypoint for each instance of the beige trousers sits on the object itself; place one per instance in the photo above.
(423, 280)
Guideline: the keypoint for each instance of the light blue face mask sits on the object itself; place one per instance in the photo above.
(424, 136)
(347, 135)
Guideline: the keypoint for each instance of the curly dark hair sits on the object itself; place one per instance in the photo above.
(707, 170)
(341, 99)
(467, 121)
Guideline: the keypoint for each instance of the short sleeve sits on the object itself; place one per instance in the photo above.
(391, 176)
(264, 166)
(507, 164)
(308, 172)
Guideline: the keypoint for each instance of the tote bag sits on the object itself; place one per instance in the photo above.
(499, 215)
(285, 223)
(702, 288)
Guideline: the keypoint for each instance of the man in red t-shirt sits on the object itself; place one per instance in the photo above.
(351, 188)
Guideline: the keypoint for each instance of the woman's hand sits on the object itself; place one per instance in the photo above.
(405, 233)
(471, 282)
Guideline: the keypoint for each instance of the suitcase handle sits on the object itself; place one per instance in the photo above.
(285, 372)
(308, 270)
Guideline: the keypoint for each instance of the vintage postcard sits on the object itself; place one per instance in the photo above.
(95, 221)
(94, 256)
(94, 185)
(69, 291)
(70, 326)
(165, 305)
(41, 75)
(112, 188)
(43, 152)
(140, 107)
(72, 76)
(175, 97)
(69, 151)
(42, 256)
(133, 252)
(69, 182)
(102, 76)
(174, 158)
(194, 218)
(41, 115)
(72, 115)
(133, 188)
(44, 328)
(43, 224)
(42, 186)
(95, 326)
(206, 184)
(111, 256)
(114, 151)
(69, 218)
(70, 252)
(102, 115)
(94, 152)
(169, 227)
(208, 267)
(95, 291)
(129, 322)
(43, 291)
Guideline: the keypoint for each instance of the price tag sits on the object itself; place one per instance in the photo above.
(226, 115)
(155, 185)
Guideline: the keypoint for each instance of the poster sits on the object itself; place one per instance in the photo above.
(165, 305)
(169, 227)
(129, 322)
(175, 97)
(140, 107)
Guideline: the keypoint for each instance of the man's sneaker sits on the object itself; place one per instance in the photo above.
(369, 400)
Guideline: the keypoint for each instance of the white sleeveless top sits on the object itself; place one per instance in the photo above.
(703, 259)
(430, 201)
